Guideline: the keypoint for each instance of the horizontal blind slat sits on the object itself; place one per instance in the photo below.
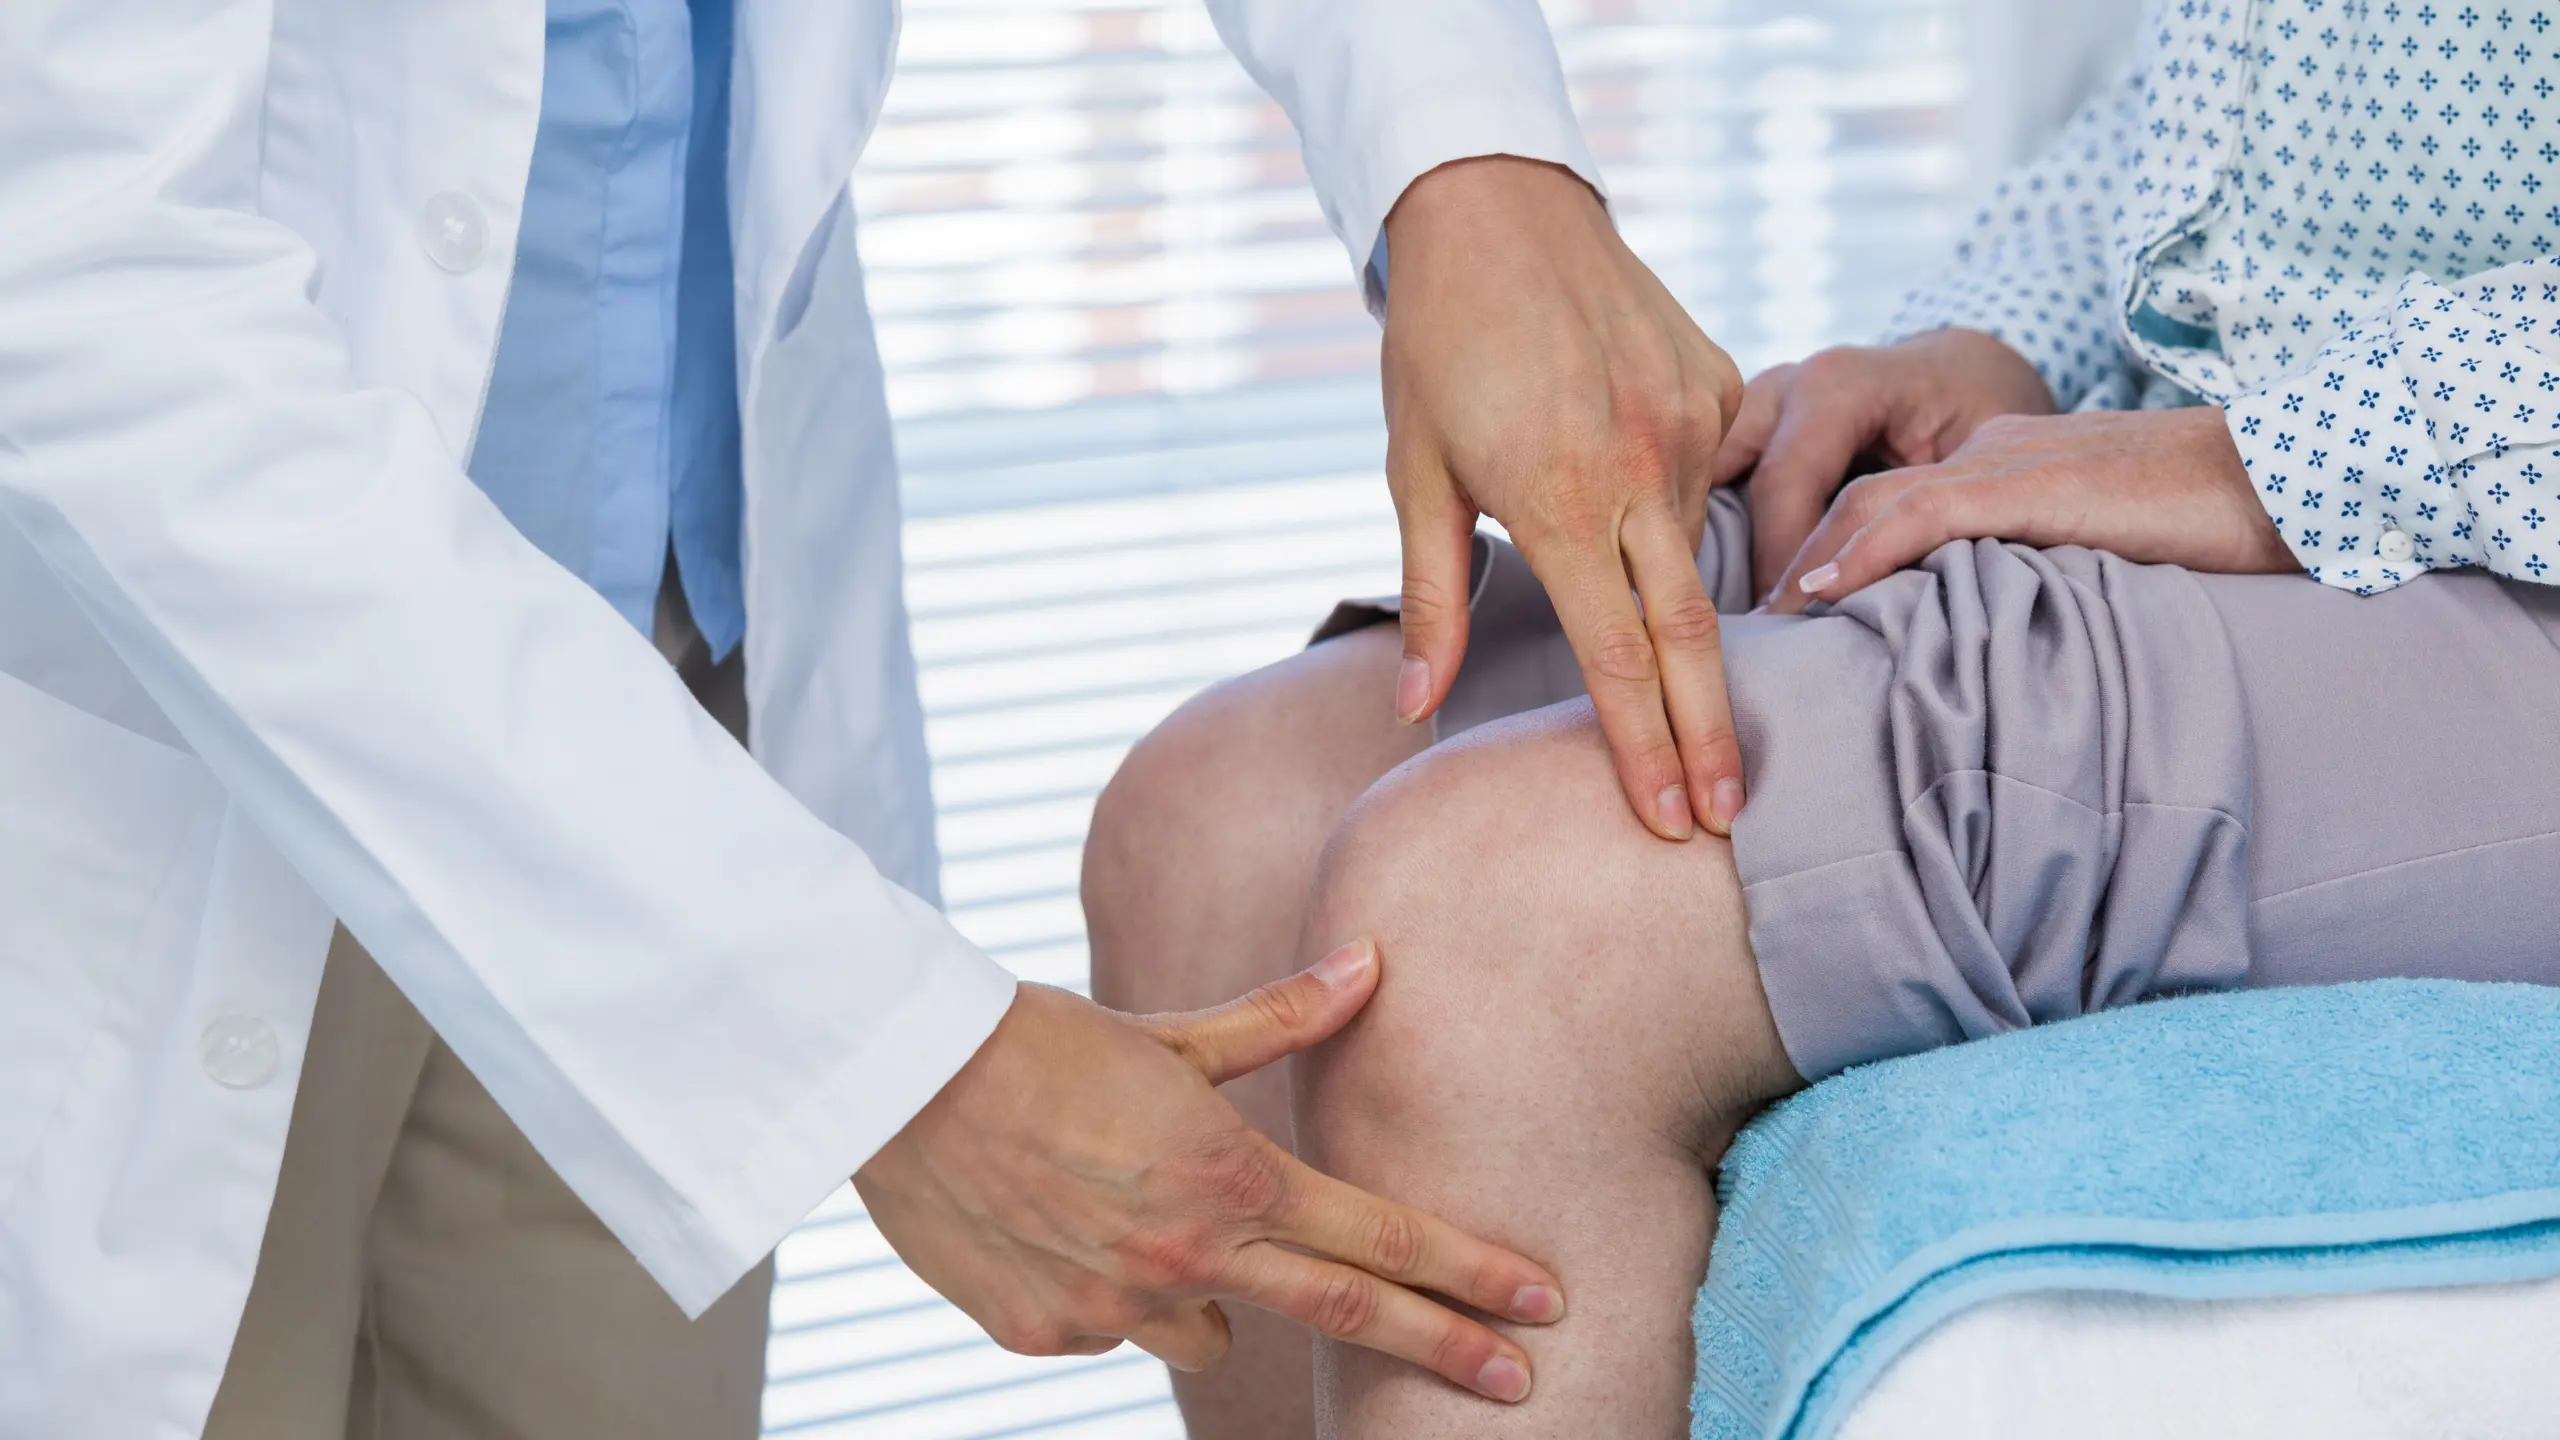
(1136, 400)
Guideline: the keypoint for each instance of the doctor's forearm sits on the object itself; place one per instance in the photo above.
(701, 1004)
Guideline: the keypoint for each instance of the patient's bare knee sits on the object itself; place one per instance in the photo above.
(1202, 847)
(1544, 954)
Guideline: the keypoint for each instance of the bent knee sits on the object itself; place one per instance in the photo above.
(1522, 911)
(1166, 790)
(1243, 764)
(1513, 826)
(1509, 869)
(1226, 803)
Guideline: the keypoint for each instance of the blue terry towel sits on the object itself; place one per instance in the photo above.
(2278, 1142)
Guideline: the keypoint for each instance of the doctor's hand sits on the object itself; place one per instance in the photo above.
(2162, 487)
(1080, 1182)
(1804, 427)
(1537, 372)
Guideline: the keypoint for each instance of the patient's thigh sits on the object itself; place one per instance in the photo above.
(2406, 777)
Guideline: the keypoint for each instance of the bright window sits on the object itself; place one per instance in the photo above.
(1136, 400)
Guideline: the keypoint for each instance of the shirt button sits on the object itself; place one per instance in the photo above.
(239, 1051)
(2395, 547)
(454, 231)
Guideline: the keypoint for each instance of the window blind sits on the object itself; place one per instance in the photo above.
(1136, 407)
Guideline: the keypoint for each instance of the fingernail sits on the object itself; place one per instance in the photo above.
(1503, 1379)
(1723, 804)
(1817, 577)
(1413, 688)
(1339, 969)
(1673, 806)
(1537, 1304)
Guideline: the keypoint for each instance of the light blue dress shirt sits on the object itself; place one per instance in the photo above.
(611, 429)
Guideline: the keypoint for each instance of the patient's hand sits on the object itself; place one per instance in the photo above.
(2159, 486)
(1804, 426)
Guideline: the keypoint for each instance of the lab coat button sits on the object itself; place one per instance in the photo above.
(2395, 547)
(239, 1051)
(454, 231)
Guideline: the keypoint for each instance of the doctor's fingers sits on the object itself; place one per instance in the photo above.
(1399, 1244)
(1274, 1020)
(1437, 525)
(1585, 572)
(1355, 1306)
(1688, 641)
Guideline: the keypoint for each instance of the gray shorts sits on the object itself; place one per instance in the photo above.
(2017, 785)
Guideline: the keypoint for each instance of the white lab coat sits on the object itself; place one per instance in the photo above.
(268, 658)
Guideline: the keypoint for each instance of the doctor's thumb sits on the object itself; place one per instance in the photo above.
(1277, 1020)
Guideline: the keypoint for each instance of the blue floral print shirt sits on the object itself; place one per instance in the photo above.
(2335, 219)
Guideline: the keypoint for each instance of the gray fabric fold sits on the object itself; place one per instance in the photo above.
(2014, 786)
(2008, 787)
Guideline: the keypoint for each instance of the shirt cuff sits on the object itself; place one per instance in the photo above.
(2343, 521)
(698, 1239)
(1422, 137)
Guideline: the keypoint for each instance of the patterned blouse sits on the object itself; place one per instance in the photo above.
(2326, 216)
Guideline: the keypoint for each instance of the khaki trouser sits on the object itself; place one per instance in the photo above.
(425, 1275)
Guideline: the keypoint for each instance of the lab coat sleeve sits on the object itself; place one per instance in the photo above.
(2031, 268)
(1384, 90)
(702, 1006)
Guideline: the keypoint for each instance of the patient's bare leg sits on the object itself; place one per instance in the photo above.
(1568, 1031)
(1196, 878)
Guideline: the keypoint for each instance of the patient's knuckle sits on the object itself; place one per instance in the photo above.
(1861, 499)
(1828, 372)
(1925, 509)
(1999, 430)
(1766, 393)
(1345, 1304)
